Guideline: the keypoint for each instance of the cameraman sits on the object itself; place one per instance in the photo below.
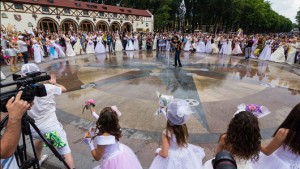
(10, 140)
(176, 43)
(43, 112)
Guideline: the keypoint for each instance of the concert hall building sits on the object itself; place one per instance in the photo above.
(54, 15)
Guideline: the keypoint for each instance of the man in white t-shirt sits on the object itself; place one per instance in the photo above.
(43, 112)
(23, 48)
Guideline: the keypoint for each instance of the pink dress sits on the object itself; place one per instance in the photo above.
(116, 155)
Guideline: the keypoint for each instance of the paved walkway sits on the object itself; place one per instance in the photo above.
(214, 85)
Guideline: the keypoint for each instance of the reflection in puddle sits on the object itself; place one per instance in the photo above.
(220, 67)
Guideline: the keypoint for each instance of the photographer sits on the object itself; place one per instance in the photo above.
(10, 140)
(43, 112)
(177, 45)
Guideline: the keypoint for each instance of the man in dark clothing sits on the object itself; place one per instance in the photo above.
(248, 49)
(177, 45)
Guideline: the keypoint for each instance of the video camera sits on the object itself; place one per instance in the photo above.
(29, 85)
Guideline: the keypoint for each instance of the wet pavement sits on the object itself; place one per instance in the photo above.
(215, 86)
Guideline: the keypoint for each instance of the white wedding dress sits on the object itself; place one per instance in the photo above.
(280, 159)
(99, 47)
(189, 157)
(118, 46)
(69, 49)
(278, 55)
(90, 48)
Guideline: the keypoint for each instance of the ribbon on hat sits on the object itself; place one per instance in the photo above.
(115, 108)
(257, 110)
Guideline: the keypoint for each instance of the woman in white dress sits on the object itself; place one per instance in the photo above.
(242, 140)
(208, 48)
(291, 52)
(38, 54)
(129, 45)
(200, 46)
(90, 48)
(118, 45)
(267, 51)
(144, 42)
(237, 48)
(223, 49)
(99, 47)
(77, 46)
(188, 44)
(154, 43)
(176, 152)
(229, 47)
(136, 42)
(283, 152)
(278, 56)
(214, 46)
(69, 48)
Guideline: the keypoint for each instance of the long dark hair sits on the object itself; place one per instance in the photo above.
(108, 122)
(292, 122)
(243, 137)
(181, 133)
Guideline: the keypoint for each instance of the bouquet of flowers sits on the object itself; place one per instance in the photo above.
(163, 101)
(88, 104)
(257, 110)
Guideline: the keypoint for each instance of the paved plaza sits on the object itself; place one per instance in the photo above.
(214, 85)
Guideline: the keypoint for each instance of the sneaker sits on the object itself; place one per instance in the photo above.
(43, 159)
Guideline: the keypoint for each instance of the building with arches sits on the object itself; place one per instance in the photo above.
(67, 15)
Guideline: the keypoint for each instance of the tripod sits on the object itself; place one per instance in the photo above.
(21, 153)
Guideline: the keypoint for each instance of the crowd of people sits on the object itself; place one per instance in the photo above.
(242, 138)
(37, 45)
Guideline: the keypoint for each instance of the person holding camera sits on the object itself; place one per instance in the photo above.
(177, 45)
(43, 112)
(16, 107)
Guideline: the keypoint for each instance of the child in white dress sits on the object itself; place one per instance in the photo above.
(283, 152)
(108, 150)
(176, 152)
(242, 140)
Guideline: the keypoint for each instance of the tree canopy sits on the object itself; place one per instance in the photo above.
(212, 15)
(298, 18)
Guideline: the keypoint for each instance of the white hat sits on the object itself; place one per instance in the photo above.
(178, 112)
(28, 68)
(20, 37)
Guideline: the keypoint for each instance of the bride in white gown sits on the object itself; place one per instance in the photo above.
(69, 49)
(129, 45)
(90, 48)
(99, 47)
(118, 45)
(278, 55)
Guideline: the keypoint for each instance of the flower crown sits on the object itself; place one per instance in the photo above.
(257, 110)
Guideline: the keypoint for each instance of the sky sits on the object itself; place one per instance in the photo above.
(287, 8)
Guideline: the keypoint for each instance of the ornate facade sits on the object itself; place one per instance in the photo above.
(54, 15)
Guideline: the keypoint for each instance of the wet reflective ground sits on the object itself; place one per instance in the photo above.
(215, 86)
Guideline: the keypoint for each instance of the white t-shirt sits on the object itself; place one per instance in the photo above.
(43, 109)
(22, 46)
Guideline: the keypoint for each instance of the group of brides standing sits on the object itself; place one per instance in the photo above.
(276, 48)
